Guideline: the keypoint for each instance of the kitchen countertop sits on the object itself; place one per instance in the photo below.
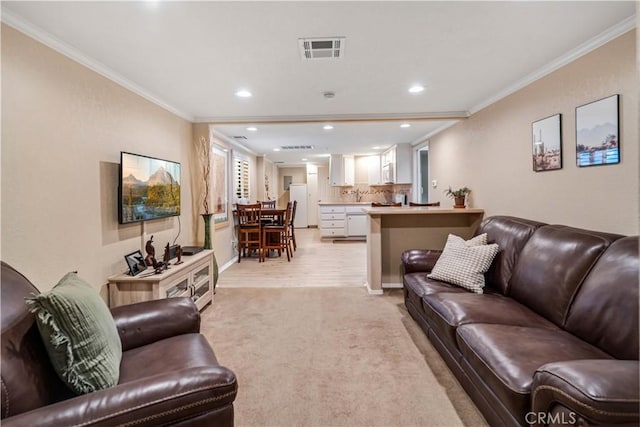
(345, 203)
(418, 210)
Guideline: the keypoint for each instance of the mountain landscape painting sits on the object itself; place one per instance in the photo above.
(597, 133)
(149, 188)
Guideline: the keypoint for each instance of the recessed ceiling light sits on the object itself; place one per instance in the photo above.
(304, 160)
(243, 93)
(327, 127)
(405, 125)
(416, 89)
(377, 148)
(276, 149)
(252, 129)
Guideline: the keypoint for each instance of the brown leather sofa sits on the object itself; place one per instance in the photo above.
(169, 374)
(553, 340)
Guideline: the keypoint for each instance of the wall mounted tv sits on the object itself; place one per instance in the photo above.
(149, 188)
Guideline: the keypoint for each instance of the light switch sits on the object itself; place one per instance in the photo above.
(434, 183)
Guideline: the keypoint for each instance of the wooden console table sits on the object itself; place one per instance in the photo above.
(193, 278)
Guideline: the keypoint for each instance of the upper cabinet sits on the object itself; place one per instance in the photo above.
(341, 170)
(373, 170)
(396, 164)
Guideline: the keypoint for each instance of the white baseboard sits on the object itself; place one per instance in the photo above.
(395, 285)
(371, 291)
(227, 265)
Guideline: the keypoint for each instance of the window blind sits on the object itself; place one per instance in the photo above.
(241, 178)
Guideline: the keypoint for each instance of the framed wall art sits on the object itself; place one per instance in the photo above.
(219, 185)
(598, 132)
(547, 143)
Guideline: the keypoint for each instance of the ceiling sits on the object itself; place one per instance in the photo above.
(191, 58)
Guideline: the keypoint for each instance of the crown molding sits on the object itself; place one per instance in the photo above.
(15, 21)
(616, 31)
(425, 138)
(231, 141)
(445, 115)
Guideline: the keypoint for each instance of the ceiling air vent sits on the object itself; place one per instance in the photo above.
(240, 137)
(296, 147)
(322, 48)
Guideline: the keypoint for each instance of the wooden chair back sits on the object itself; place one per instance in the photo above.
(249, 215)
(268, 204)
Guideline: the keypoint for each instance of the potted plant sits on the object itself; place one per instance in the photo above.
(458, 196)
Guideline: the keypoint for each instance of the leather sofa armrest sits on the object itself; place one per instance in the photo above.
(587, 391)
(419, 260)
(147, 322)
(159, 400)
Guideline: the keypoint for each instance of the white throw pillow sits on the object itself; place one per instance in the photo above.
(463, 263)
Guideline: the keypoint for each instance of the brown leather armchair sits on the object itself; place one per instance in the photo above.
(169, 374)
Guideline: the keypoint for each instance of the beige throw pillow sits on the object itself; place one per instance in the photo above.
(463, 263)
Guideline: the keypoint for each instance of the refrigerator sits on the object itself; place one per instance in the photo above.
(299, 192)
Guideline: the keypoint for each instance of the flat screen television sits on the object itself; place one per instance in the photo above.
(149, 188)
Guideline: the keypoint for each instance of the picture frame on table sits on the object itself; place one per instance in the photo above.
(547, 143)
(598, 132)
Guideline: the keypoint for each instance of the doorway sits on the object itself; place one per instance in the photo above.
(423, 175)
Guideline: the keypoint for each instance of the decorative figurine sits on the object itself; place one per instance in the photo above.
(151, 253)
(166, 256)
(151, 259)
(179, 254)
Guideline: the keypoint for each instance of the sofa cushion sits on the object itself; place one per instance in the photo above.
(417, 285)
(552, 265)
(446, 312)
(511, 234)
(464, 263)
(155, 358)
(79, 334)
(605, 310)
(506, 357)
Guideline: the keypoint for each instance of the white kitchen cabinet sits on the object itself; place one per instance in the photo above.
(356, 224)
(373, 170)
(342, 220)
(332, 220)
(342, 170)
(397, 164)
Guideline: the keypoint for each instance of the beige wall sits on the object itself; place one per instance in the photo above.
(63, 127)
(491, 151)
(298, 176)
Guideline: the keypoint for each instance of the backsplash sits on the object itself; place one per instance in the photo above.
(367, 193)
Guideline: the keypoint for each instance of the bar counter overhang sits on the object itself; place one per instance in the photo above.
(392, 230)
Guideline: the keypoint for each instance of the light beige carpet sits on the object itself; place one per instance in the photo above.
(331, 357)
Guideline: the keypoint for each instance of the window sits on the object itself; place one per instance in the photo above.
(241, 178)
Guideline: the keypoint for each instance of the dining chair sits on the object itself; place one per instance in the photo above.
(268, 219)
(249, 229)
(424, 204)
(385, 205)
(276, 236)
(292, 230)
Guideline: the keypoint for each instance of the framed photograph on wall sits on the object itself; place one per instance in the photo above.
(547, 143)
(219, 185)
(598, 132)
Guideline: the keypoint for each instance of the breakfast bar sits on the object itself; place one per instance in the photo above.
(392, 230)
